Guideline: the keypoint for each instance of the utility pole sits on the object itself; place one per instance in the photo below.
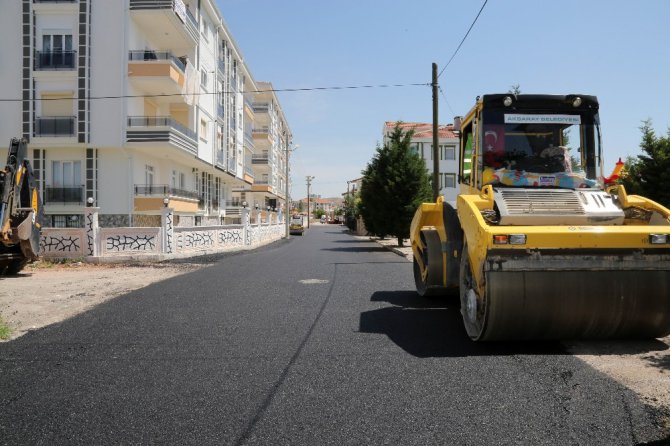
(309, 183)
(287, 200)
(436, 139)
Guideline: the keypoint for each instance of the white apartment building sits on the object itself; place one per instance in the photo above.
(136, 105)
(422, 143)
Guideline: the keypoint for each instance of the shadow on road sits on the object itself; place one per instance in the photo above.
(434, 328)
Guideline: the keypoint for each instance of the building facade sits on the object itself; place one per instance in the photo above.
(135, 105)
(422, 144)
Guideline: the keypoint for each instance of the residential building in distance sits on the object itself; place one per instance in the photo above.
(422, 144)
(135, 105)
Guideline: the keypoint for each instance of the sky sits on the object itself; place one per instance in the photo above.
(616, 50)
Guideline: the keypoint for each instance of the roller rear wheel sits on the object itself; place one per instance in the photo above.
(473, 306)
(428, 270)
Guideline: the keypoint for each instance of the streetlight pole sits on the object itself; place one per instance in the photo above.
(309, 183)
(287, 198)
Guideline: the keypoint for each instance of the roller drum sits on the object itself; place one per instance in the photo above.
(591, 295)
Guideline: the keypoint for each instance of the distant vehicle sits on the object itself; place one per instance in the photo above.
(296, 225)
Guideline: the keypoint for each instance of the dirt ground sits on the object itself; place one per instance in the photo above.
(44, 293)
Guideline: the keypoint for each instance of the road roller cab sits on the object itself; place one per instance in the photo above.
(536, 247)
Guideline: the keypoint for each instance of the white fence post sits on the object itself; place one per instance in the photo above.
(167, 219)
(246, 222)
(92, 231)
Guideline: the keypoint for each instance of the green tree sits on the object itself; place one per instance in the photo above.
(394, 184)
(647, 174)
(317, 213)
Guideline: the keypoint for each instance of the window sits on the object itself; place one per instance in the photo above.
(148, 175)
(447, 180)
(466, 158)
(204, 78)
(447, 152)
(67, 221)
(203, 129)
(66, 173)
(56, 43)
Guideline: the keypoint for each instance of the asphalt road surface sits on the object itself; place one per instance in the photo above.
(316, 340)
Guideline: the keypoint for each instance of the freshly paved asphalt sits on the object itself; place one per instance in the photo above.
(246, 352)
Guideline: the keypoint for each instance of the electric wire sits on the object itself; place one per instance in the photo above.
(271, 90)
(446, 100)
(463, 40)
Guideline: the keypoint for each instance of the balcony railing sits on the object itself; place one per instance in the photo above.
(261, 108)
(232, 164)
(249, 171)
(163, 190)
(178, 6)
(149, 55)
(54, 1)
(55, 60)
(72, 195)
(260, 159)
(160, 121)
(55, 126)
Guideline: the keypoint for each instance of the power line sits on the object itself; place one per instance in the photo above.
(464, 37)
(446, 100)
(340, 87)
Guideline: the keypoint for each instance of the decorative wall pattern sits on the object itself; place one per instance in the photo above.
(130, 241)
(66, 243)
(72, 243)
(234, 237)
(194, 239)
(119, 243)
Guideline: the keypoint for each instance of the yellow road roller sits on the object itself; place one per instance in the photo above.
(537, 245)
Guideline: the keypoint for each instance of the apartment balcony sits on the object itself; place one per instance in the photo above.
(158, 130)
(261, 186)
(233, 207)
(167, 22)
(249, 174)
(55, 60)
(59, 126)
(249, 139)
(157, 73)
(64, 195)
(232, 165)
(261, 135)
(261, 107)
(151, 197)
(260, 158)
